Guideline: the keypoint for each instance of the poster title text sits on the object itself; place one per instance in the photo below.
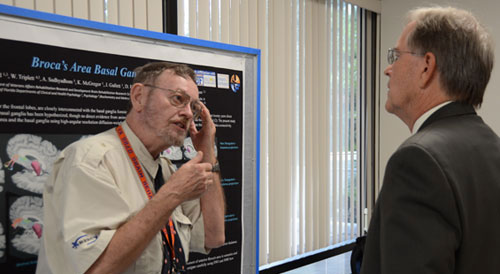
(96, 69)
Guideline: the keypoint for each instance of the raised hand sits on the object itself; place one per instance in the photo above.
(191, 180)
(204, 139)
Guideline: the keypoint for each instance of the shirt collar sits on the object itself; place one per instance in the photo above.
(145, 158)
(426, 115)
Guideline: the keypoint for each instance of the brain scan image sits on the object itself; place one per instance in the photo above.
(2, 241)
(26, 220)
(34, 156)
(189, 150)
(184, 153)
(2, 179)
(173, 153)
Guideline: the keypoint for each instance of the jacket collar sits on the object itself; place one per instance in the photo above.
(449, 110)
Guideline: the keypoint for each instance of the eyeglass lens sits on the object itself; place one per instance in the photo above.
(391, 56)
(180, 99)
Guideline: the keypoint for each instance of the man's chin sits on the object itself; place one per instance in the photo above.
(176, 140)
(178, 143)
(179, 140)
(389, 107)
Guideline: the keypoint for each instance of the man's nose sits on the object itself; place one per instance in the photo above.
(187, 111)
(387, 70)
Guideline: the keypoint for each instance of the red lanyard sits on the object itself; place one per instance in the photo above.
(145, 185)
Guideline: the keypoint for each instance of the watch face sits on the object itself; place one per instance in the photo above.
(216, 167)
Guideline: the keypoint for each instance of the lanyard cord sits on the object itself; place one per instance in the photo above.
(145, 185)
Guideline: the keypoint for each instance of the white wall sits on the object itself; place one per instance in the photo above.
(392, 130)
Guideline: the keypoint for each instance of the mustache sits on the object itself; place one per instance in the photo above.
(184, 121)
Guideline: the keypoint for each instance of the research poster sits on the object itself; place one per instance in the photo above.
(52, 96)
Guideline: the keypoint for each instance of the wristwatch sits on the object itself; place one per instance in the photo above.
(216, 167)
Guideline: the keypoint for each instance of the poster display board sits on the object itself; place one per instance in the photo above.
(63, 79)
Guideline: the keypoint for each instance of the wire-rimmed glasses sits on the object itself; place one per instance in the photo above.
(179, 98)
(393, 55)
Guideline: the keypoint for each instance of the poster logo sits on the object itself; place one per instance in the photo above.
(205, 78)
(235, 83)
(223, 80)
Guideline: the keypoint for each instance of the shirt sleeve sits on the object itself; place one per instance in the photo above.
(90, 207)
(192, 210)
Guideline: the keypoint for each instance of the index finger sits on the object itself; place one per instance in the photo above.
(205, 112)
(205, 116)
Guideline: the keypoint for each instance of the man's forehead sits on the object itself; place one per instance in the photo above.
(403, 39)
(177, 82)
(171, 76)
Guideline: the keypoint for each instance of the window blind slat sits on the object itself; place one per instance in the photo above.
(193, 18)
(301, 135)
(7, 2)
(140, 12)
(215, 21)
(203, 23)
(96, 10)
(263, 23)
(26, 4)
(309, 136)
(225, 21)
(41, 5)
(279, 176)
(154, 15)
(80, 9)
(333, 120)
(63, 7)
(324, 138)
(244, 21)
(126, 13)
(112, 8)
(234, 23)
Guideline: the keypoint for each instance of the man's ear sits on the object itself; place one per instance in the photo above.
(428, 70)
(138, 96)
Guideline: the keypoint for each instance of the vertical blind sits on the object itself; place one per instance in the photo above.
(310, 113)
(130, 13)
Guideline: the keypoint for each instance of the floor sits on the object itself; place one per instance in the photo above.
(340, 264)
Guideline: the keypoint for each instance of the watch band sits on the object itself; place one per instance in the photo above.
(216, 167)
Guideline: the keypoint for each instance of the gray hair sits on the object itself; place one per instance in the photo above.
(148, 73)
(462, 46)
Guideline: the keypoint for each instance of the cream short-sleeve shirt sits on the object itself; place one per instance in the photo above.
(92, 191)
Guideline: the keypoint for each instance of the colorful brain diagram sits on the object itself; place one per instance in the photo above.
(35, 158)
(23, 175)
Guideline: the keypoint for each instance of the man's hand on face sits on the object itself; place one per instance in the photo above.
(204, 139)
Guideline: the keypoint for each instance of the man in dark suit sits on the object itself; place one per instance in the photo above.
(439, 207)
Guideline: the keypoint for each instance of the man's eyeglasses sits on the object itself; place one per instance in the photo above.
(179, 98)
(394, 54)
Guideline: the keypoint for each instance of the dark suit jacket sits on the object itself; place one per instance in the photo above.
(439, 207)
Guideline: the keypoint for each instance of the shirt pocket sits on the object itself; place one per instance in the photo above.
(183, 227)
